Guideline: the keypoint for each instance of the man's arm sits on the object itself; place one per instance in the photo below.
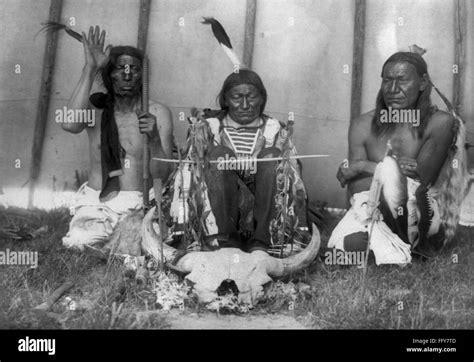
(358, 166)
(434, 151)
(95, 60)
(158, 124)
(80, 98)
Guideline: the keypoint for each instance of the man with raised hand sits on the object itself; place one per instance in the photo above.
(111, 85)
(410, 139)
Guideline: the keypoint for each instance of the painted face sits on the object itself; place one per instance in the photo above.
(244, 102)
(401, 85)
(127, 76)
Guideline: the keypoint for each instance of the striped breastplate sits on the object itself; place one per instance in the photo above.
(242, 140)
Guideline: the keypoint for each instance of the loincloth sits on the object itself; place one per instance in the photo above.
(388, 247)
(93, 221)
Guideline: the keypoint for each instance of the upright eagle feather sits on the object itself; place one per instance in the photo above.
(52, 26)
(218, 30)
(222, 38)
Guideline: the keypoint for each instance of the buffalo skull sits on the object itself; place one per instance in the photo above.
(209, 270)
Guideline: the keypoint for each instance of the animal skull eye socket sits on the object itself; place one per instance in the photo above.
(189, 283)
(267, 286)
(226, 287)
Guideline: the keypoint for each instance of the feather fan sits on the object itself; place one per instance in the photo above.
(52, 26)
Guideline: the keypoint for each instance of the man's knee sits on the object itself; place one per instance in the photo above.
(356, 241)
(220, 154)
(269, 152)
(268, 167)
(220, 151)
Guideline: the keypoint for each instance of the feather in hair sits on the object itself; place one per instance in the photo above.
(223, 39)
(416, 49)
(52, 26)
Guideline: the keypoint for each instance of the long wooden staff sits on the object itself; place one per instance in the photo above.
(146, 147)
(157, 182)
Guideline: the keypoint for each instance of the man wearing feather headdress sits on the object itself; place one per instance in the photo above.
(242, 189)
(110, 85)
(406, 146)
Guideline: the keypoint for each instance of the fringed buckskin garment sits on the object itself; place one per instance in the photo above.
(239, 201)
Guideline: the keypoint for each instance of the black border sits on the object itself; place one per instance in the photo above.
(260, 345)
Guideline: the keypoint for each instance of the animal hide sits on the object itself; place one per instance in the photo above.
(452, 182)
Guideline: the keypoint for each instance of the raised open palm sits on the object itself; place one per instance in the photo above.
(94, 48)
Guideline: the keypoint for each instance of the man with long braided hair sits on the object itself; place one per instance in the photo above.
(407, 128)
(242, 190)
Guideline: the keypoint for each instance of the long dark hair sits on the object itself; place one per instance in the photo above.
(244, 76)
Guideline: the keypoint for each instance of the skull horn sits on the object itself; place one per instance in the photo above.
(283, 267)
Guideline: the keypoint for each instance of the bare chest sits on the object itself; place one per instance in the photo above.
(404, 142)
(130, 137)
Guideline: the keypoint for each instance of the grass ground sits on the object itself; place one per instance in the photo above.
(433, 294)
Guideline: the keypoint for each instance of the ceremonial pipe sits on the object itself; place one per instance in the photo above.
(241, 160)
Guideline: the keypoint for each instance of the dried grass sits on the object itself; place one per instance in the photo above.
(433, 294)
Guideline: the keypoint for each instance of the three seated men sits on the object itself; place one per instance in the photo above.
(241, 130)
